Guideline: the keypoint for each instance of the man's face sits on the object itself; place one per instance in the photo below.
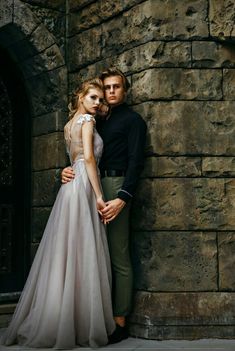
(114, 90)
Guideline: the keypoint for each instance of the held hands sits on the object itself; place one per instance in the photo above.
(108, 210)
(112, 209)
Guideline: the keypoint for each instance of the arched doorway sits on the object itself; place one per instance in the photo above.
(15, 182)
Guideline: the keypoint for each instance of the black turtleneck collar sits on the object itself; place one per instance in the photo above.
(119, 108)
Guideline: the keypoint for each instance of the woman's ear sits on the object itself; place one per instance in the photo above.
(80, 98)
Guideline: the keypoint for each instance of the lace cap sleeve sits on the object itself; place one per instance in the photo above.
(85, 118)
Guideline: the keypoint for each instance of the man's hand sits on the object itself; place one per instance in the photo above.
(112, 209)
(67, 175)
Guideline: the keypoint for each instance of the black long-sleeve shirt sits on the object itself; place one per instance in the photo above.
(123, 134)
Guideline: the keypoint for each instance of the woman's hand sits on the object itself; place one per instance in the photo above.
(103, 110)
(67, 175)
(100, 204)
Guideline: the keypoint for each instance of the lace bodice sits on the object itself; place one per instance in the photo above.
(73, 138)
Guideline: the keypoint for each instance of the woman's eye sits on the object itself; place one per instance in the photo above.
(93, 97)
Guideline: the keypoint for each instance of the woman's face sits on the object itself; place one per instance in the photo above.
(91, 102)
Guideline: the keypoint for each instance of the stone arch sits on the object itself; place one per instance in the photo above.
(34, 51)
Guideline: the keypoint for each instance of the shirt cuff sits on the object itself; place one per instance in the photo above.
(124, 195)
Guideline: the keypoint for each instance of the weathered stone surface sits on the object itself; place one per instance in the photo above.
(186, 332)
(175, 261)
(172, 167)
(53, 20)
(180, 19)
(24, 19)
(218, 166)
(39, 219)
(94, 12)
(52, 122)
(49, 151)
(212, 54)
(177, 84)
(229, 84)
(55, 4)
(190, 127)
(226, 247)
(48, 92)
(84, 48)
(135, 26)
(205, 308)
(48, 60)
(45, 187)
(41, 38)
(6, 12)
(184, 204)
(221, 18)
(85, 18)
(78, 4)
(155, 54)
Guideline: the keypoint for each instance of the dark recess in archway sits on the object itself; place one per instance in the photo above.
(15, 178)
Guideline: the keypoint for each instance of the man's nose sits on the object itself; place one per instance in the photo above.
(111, 89)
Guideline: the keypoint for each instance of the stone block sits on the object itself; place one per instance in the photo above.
(229, 84)
(211, 54)
(221, 19)
(41, 38)
(178, 309)
(48, 60)
(172, 167)
(226, 247)
(175, 261)
(24, 19)
(90, 13)
(84, 48)
(49, 123)
(85, 18)
(186, 332)
(54, 4)
(189, 127)
(132, 28)
(53, 20)
(78, 4)
(218, 166)
(6, 12)
(45, 187)
(49, 151)
(184, 204)
(177, 84)
(180, 19)
(39, 220)
(48, 92)
(155, 54)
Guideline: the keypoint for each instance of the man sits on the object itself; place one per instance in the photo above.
(123, 133)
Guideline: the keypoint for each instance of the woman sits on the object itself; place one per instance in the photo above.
(67, 297)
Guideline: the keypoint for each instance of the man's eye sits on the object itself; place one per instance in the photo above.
(106, 88)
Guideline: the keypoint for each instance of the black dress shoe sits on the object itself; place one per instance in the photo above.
(119, 334)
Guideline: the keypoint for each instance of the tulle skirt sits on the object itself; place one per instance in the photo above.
(66, 300)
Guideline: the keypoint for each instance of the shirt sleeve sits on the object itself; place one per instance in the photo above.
(136, 147)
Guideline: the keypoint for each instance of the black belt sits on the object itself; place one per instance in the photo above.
(112, 173)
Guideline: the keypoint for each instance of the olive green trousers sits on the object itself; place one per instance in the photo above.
(118, 232)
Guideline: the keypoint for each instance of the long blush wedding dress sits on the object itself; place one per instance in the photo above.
(66, 300)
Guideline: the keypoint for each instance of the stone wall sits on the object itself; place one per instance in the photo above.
(179, 57)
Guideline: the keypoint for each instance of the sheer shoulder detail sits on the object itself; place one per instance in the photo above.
(85, 118)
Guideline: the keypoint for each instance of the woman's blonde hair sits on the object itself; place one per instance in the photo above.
(81, 92)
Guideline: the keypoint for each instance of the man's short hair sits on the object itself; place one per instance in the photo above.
(113, 71)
